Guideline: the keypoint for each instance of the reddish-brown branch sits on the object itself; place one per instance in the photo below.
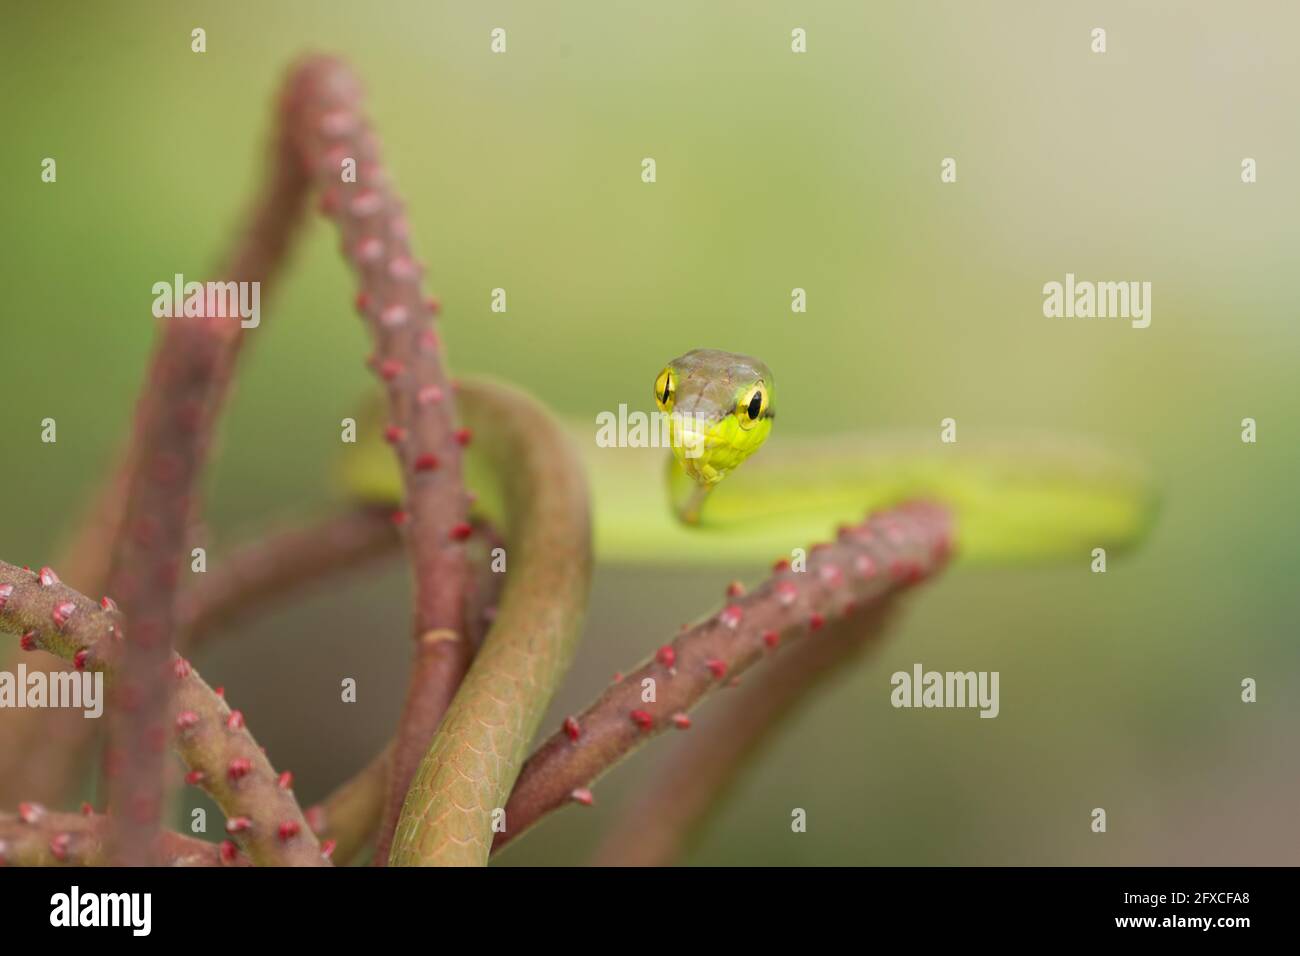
(330, 133)
(221, 755)
(257, 256)
(182, 397)
(867, 564)
(678, 797)
(40, 750)
(35, 836)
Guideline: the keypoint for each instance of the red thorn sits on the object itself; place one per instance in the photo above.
(571, 728)
(831, 575)
(389, 369)
(682, 721)
(338, 123)
(235, 721)
(62, 612)
(107, 603)
(771, 638)
(429, 395)
(716, 667)
(366, 203)
(59, 846)
(288, 830)
(735, 589)
(195, 777)
(786, 592)
(393, 316)
(238, 824)
(642, 719)
(403, 267)
(286, 780)
(47, 577)
(79, 659)
(582, 795)
(461, 530)
(28, 641)
(426, 462)
(181, 668)
(780, 564)
(666, 655)
(618, 677)
(327, 848)
(368, 249)
(394, 434)
(30, 812)
(5, 591)
(229, 852)
(463, 437)
(731, 615)
(220, 691)
(363, 302)
(86, 809)
(399, 518)
(186, 719)
(815, 621)
(239, 768)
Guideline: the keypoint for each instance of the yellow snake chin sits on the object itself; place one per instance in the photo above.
(709, 456)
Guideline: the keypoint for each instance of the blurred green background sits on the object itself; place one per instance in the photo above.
(775, 170)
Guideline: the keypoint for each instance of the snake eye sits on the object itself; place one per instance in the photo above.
(665, 389)
(752, 406)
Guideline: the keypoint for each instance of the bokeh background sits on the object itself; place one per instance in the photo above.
(774, 171)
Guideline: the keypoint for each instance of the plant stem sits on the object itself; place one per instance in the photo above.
(220, 753)
(680, 795)
(37, 837)
(330, 132)
(866, 565)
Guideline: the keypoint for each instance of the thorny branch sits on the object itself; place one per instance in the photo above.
(676, 801)
(35, 836)
(186, 384)
(330, 131)
(220, 754)
(867, 564)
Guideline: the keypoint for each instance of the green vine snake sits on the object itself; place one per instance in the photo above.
(1020, 499)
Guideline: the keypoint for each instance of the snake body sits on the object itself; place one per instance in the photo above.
(538, 487)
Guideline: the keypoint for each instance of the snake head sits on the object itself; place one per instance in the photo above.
(719, 407)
